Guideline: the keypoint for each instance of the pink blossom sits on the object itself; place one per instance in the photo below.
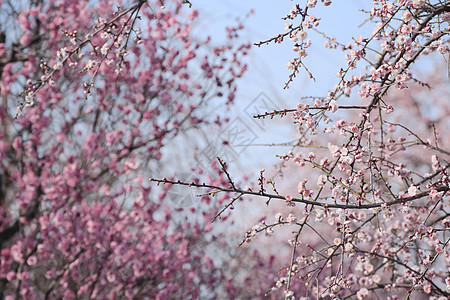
(32, 260)
(321, 180)
(362, 293)
(333, 106)
(412, 191)
(291, 218)
(17, 252)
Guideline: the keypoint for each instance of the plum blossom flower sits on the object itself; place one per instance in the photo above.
(321, 180)
(418, 3)
(406, 16)
(435, 195)
(334, 150)
(311, 3)
(104, 49)
(290, 65)
(17, 252)
(412, 191)
(302, 53)
(376, 278)
(362, 293)
(90, 64)
(348, 247)
(368, 267)
(442, 49)
(333, 106)
(291, 219)
(289, 294)
(302, 35)
(32, 260)
(427, 288)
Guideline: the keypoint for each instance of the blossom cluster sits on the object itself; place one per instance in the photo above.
(102, 89)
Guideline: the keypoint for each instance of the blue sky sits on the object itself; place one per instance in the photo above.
(267, 71)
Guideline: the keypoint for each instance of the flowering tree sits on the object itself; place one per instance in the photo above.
(370, 213)
(91, 93)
